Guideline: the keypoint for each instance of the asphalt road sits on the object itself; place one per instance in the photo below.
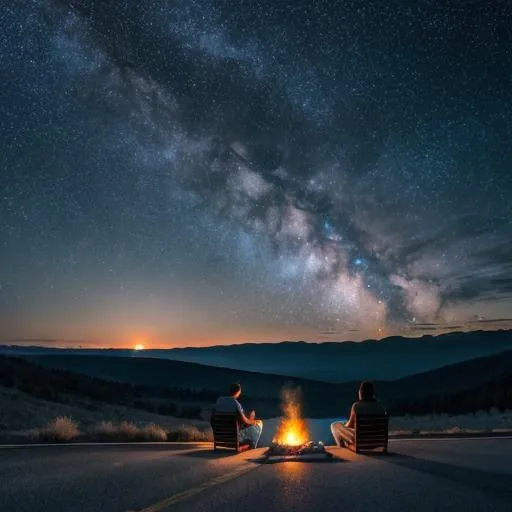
(426, 475)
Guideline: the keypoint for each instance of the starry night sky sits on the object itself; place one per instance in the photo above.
(216, 171)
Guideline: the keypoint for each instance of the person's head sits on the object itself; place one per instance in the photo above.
(366, 391)
(235, 390)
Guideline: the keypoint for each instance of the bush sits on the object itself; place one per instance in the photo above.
(154, 432)
(110, 431)
(59, 430)
(189, 433)
(127, 432)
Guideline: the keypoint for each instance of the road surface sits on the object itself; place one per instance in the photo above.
(419, 475)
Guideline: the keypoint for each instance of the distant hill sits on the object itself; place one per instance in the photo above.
(476, 384)
(469, 374)
(257, 387)
(419, 393)
(480, 384)
(65, 387)
(387, 359)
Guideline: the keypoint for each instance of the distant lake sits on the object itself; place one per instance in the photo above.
(320, 430)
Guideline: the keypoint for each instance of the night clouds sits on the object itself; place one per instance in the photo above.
(301, 168)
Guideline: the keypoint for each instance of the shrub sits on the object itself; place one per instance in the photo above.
(154, 432)
(109, 431)
(189, 433)
(59, 430)
(128, 432)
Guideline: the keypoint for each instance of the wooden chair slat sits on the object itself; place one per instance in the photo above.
(371, 432)
(372, 436)
(225, 431)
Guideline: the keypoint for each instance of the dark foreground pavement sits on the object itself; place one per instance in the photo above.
(426, 475)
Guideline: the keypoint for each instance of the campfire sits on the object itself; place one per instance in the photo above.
(292, 438)
(293, 430)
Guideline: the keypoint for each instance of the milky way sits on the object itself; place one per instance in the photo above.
(216, 170)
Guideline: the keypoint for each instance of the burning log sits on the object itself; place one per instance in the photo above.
(293, 429)
(292, 438)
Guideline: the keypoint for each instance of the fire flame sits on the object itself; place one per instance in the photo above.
(293, 429)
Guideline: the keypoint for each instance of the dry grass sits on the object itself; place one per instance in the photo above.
(20, 413)
(190, 433)
(479, 422)
(60, 430)
(155, 432)
(130, 432)
(64, 429)
(127, 432)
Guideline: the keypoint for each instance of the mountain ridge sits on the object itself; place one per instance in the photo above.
(16, 342)
(391, 358)
(335, 362)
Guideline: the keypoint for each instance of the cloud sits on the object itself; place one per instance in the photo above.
(421, 299)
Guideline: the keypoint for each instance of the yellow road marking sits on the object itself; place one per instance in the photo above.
(182, 496)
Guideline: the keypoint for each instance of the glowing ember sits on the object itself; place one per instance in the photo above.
(293, 429)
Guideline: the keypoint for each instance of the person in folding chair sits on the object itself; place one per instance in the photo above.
(250, 427)
(367, 404)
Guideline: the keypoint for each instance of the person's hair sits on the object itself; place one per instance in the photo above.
(367, 390)
(234, 388)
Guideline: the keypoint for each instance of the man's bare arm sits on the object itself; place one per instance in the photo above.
(251, 420)
(351, 423)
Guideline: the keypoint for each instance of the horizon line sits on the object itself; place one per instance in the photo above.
(49, 343)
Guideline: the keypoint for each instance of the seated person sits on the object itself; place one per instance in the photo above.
(250, 427)
(343, 433)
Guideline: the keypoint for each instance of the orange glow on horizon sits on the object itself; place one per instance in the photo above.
(127, 340)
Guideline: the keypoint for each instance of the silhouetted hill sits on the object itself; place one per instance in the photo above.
(481, 384)
(452, 378)
(410, 394)
(387, 359)
(63, 386)
(163, 386)
(194, 377)
(459, 388)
